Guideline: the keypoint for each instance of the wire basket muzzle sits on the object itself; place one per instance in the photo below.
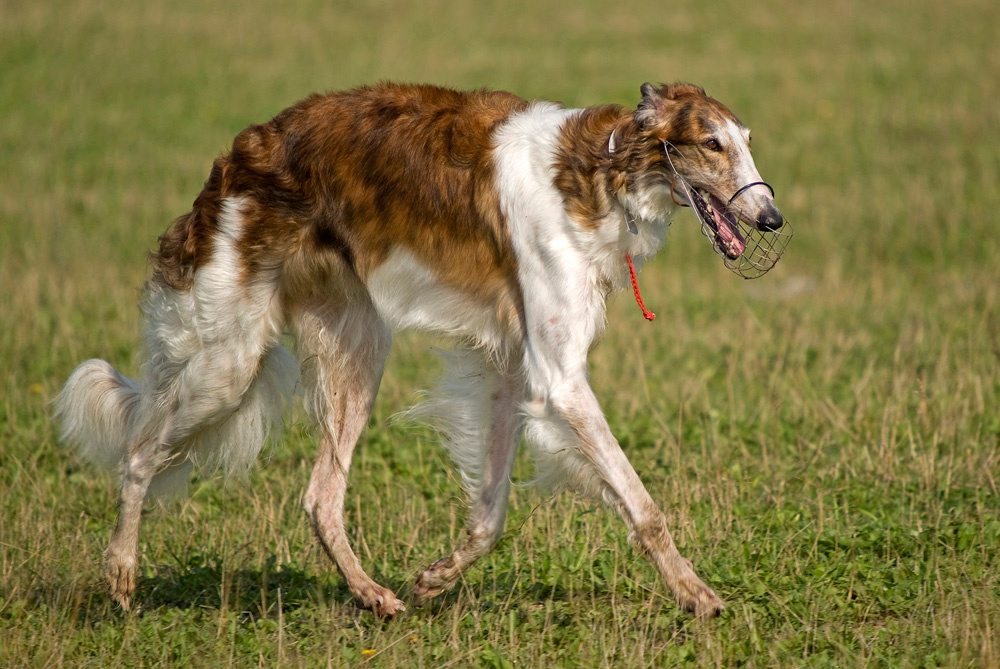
(745, 249)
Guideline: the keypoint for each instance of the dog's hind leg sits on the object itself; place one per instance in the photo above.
(343, 351)
(208, 394)
(480, 417)
(207, 388)
(144, 461)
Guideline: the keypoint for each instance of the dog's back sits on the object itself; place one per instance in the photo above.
(356, 174)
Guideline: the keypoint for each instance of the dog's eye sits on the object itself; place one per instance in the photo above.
(713, 144)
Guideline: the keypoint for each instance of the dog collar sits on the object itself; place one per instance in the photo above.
(629, 220)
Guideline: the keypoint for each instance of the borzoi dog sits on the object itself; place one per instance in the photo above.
(500, 223)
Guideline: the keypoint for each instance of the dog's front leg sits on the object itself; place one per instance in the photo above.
(577, 435)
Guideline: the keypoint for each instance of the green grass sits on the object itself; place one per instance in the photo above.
(825, 441)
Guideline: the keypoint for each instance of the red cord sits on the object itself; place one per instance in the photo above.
(649, 315)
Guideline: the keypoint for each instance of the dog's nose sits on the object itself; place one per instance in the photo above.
(771, 219)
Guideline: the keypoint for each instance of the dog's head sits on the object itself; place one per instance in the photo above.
(697, 144)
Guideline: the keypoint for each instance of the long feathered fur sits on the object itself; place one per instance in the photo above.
(100, 414)
(458, 408)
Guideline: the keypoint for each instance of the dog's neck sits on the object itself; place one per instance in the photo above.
(629, 216)
(640, 206)
(592, 163)
(598, 171)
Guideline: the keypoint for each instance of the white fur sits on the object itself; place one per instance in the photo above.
(565, 273)
(215, 367)
(97, 411)
(737, 138)
(208, 345)
(459, 408)
(408, 296)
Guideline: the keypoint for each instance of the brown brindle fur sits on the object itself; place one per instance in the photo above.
(336, 182)
(187, 244)
(588, 175)
(683, 116)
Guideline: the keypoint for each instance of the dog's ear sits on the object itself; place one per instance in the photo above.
(657, 101)
(653, 106)
(680, 89)
(649, 91)
(652, 101)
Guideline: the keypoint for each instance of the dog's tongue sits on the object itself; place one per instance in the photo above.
(728, 237)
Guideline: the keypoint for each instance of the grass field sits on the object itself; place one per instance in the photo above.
(825, 441)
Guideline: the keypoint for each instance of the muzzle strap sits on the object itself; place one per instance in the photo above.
(748, 186)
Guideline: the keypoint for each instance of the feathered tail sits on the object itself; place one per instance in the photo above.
(103, 412)
(98, 410)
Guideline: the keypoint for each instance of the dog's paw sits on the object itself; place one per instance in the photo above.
(436, 580)
(119, 574)
(423, 593)
(696, 597)
(382, 601)
(388, 606)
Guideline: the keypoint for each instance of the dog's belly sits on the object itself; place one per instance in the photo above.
(406, 295)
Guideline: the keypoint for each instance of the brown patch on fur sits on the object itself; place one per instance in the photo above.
(335, 182)
(187, 244)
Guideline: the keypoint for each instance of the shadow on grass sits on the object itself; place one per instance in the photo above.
(492, 594)
(199, 583)
(203, 582)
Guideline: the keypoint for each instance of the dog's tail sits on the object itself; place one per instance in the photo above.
(103, 414)
(98, 410)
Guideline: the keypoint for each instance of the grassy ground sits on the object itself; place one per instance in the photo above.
(825, 441)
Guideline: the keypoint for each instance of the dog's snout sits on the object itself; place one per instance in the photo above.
(770, 219)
